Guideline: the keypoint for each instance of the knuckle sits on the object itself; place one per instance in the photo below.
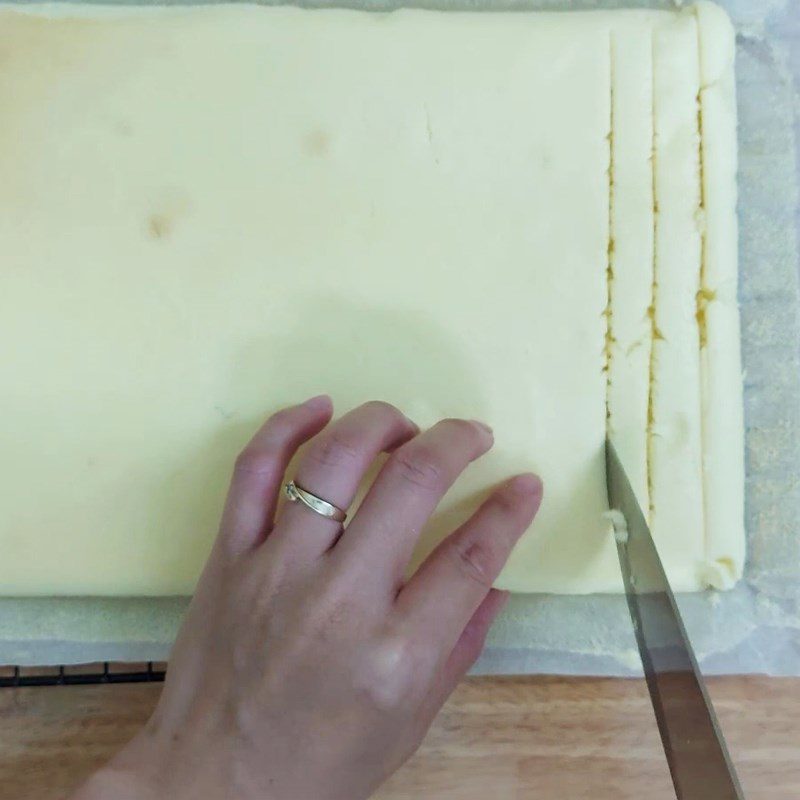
(335, 450)
(475, 562)
(261, 460)
(388, 676)
(506, 501)
(381, 408)
(419, 465)
(462, 428)
(281, 422)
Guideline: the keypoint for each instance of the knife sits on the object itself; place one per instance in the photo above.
(698, 759)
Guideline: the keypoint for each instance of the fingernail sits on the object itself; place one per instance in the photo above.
(482, 425)
(527, 484)
(317, 402)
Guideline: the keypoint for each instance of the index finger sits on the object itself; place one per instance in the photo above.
(382, 535)
(440, 599)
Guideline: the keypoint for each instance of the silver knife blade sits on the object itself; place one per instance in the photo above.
(698, 759)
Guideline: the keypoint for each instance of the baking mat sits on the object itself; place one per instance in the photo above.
(755, 627)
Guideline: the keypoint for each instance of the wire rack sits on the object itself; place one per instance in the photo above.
(82, 674)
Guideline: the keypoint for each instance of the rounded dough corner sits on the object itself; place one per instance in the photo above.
(716, 41)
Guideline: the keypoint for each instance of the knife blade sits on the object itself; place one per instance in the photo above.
(698, 758)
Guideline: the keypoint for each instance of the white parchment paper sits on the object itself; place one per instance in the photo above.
(755, 627)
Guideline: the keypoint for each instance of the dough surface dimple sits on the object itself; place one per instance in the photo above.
(193, 243)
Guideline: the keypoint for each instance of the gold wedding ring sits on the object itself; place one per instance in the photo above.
(322, 507)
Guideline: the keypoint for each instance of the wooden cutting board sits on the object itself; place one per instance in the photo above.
(546, 738)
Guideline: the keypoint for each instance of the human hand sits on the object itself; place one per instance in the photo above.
(308, 668)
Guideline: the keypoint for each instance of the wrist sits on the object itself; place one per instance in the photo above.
(119, 783)
(134, 773)
(155, 766)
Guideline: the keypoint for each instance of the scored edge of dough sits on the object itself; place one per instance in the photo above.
(718, 311)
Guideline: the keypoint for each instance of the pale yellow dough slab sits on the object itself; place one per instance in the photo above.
(416, 207)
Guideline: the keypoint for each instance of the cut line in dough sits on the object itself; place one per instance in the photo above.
(652, 310)
(608, 351)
